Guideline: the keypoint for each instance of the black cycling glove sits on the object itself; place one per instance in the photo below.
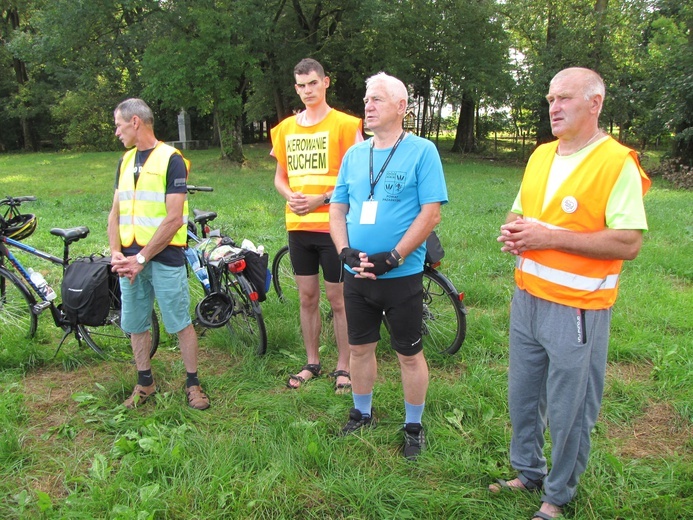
(350, 257)
(382, 263)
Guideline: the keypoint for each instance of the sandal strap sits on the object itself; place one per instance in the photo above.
(312, 368)
(296, 377)
(339, 373)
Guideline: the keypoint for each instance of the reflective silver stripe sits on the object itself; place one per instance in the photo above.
(125, 195)
(150, 196)
(566, 279)
(125, 220)
(545, 224)
(149, 221)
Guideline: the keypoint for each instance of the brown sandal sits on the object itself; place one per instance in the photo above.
(197, 399)
(139, 395)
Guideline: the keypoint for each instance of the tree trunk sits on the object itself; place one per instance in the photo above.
(599, 32)
(22, 79)
(464, 137)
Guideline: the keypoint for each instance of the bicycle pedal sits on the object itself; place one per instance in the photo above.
(41, 306)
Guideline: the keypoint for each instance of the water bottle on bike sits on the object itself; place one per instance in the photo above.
(200, 270)
(42, 285)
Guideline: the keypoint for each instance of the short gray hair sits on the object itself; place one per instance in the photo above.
(592, 82)
(393, 86)
(135, 107)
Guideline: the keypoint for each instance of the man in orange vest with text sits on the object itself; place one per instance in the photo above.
(578, 215)
(309, 148)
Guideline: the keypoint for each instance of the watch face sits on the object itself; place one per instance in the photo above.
(140, 259)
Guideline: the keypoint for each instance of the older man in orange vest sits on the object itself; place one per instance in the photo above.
(579, 213)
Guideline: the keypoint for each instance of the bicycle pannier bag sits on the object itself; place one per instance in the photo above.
(434, 249)
(85, 290)
(257, 272)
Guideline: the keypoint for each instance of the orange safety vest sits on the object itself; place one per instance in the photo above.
(578, 205)
(143, 206)
(311, 157)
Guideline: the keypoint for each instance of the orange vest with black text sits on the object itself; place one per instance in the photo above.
(578, 205)
(311, 157)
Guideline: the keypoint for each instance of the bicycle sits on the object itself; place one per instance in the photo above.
(230, 299)
(22, 301)
(444, 325)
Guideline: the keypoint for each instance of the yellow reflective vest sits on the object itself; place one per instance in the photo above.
(579, 205)
(143, 206)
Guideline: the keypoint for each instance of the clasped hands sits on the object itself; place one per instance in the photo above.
(126, 266)
(301, 204)
(368, 266)
(522, 235)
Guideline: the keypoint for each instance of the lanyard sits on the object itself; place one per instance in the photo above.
(387, 161)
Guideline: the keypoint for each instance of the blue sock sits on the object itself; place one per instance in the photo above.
(363, 403)
(413, 412)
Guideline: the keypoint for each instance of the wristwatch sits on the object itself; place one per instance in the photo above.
(326, 200)
(398, 258)
(141, 259)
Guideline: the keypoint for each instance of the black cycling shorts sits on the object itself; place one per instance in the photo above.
(401, 299)
(309, 251)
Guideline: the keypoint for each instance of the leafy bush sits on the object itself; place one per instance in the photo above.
(677, 173)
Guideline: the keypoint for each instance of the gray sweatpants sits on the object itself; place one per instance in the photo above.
(557, 369)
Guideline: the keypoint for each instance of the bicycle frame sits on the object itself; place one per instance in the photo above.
(44, 303)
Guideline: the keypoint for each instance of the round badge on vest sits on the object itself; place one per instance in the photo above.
(569, 204)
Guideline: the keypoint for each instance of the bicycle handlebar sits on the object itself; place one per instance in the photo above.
(16, 201)
(192, 189)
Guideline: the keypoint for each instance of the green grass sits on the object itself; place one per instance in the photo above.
(68, 450)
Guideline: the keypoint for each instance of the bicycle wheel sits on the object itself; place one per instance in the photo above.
(246, 322)
(283, 277)
(17, 319)
(444, 325)
(110, 340)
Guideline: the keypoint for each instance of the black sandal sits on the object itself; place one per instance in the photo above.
(312, 368)
(342, 388)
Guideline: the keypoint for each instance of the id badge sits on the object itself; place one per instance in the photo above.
(368, 212)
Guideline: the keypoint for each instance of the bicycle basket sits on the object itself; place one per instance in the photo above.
(20, 226)
(214, 310)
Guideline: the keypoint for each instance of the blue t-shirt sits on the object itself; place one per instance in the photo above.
(413, 177)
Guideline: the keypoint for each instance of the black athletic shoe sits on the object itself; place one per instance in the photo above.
(357, 421)
(414, 440)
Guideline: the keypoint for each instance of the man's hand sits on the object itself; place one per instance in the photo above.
(382, 263)
(302, 205)
(351, 257)
(126, 266)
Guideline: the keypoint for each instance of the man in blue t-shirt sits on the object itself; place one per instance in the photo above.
(385, 204)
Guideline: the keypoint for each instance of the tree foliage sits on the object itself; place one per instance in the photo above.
(64, 64)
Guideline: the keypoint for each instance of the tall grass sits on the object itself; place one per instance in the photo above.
(69, 450)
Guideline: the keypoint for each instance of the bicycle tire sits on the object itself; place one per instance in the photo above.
(17, 318)
(444, 325)
(111, 341)
(283, 275)
(246, 323)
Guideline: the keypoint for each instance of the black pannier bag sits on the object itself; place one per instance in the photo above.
(434, 249)
(257, 273)
(85, 290)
